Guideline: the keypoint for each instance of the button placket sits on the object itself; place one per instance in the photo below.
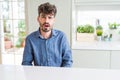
(47, 53)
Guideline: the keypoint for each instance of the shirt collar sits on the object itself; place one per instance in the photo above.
(54, 33)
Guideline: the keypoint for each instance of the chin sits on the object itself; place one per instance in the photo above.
(46, 30)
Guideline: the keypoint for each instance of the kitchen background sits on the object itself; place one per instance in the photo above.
(18, 18)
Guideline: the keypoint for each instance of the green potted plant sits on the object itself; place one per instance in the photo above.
(21, 34)
(85, 33)
(85, 29)
(99, 32)
(114, 30)
(113, 25)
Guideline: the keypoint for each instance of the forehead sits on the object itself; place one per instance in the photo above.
(42, 14)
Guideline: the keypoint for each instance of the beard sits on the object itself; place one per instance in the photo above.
(45, 27)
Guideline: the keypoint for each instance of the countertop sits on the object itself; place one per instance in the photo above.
(98, 45)
(12, 72)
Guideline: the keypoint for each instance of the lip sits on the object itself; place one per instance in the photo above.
(46, 25)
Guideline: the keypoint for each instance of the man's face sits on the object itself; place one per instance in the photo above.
(46, 22)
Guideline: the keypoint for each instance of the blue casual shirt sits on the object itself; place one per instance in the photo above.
(54, 51)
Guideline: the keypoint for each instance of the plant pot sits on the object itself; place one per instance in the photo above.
(115, 34)
(85, 37)
(99, 32)
(23, 43)
(99, 38)
(8, 44)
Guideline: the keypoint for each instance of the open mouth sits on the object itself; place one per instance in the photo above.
(46, 25)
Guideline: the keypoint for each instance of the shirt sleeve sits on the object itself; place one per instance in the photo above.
(27, 54)
(66, 53)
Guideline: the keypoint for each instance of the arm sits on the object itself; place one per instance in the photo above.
(27, 55)
(66, 53)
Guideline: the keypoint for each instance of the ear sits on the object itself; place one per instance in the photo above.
(38, 18)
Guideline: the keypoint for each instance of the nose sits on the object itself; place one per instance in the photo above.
(46, 19)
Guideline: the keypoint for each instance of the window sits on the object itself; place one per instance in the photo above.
(12, 26)
(89, 12)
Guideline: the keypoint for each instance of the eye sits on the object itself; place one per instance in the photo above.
(50, 17)
(42, 16)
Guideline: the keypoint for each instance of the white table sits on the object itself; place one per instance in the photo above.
(11, 72)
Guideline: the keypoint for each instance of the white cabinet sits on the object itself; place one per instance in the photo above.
(115, 59)
(91, 59)
(8, 59)
(0, 59)
(18, 59)
(81, 58)
(96, 59)
(11, 59)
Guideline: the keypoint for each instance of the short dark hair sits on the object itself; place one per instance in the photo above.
(47, 8)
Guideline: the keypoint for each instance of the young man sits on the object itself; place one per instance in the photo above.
(47, 46)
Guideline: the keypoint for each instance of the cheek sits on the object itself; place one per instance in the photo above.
(52, 22)
(41, 21)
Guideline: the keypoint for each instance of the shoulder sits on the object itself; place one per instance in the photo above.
(33, 35)
(60, 35)
(58, 32)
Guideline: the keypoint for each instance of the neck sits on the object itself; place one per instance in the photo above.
(46, 35)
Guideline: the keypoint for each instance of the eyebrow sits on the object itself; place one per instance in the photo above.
(51, 14)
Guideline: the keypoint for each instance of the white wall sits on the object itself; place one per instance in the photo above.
(63, 17)
(95, 0)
